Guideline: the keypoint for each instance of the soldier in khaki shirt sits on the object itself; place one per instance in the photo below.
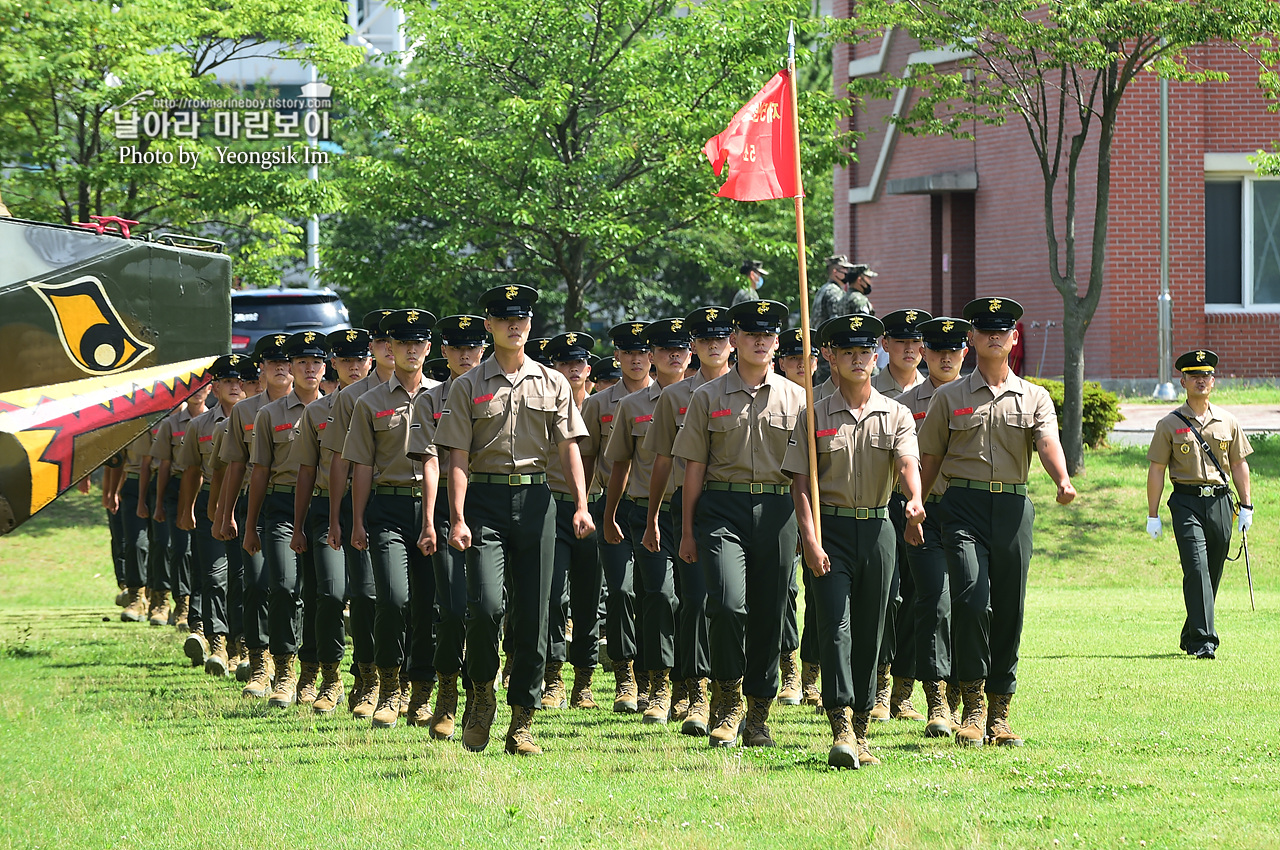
(979, 435)
(1201, 498)
(945, 345)
(605, 372)
(709, 328)
(503, 420)
(598, 412)
(133, 496)
(632, 465)
(388, 486)
(743, 528)
(863, 442)
(462, 340)
(164, 451)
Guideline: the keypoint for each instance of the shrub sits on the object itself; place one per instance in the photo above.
(1101, 409)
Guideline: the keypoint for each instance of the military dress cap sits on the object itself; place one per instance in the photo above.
(749, 266)
(759, 317)
(993, 314)
(349, 342)
(840, 260)
(537, 349)
(462, 331)
(945, 334)
(1202, 360)
(606, 369)
(790, 343)
(904, 324)
(372, 320)
(509, 302)
(852, 331)
(709, 323)
(306, 344)
(271, 347)
(408, 325)
(233, 366)
(437, 368)
(667, 333)
(574, 345)
(629, 336)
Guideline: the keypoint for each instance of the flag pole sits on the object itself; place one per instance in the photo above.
(801, 255)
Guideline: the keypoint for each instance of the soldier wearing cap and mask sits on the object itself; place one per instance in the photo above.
(829, 302)
(503, 421)
(1200, 445)
(742, 529)
(755, 273)
(858, 277)
(979, 434)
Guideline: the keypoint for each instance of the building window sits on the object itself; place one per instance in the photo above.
(1242, 242)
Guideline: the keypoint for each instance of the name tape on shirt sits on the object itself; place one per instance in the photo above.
(682, 410)
(646, 418)
(826, 432)
(718, 413)
(962, 411)
(437, 414)
(608, 417)
(206, 439)
(382, 413)
(322, 426)
(249, 427)
(919, 415)
(179, 433)
(284, 426)
(1183, 431)
(481, 399)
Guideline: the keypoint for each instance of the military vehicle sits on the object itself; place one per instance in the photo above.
(102, 334)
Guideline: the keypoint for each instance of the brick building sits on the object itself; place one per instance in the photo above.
(945, 220)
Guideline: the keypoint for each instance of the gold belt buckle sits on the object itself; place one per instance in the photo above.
(514, 480)
(756, 489)
(997, 486)
(862, 513)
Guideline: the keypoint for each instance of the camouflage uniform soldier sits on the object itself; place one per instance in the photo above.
(859, 281)
(829, 302)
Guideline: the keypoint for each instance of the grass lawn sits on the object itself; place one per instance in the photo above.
(108, 738)
(1227, 392)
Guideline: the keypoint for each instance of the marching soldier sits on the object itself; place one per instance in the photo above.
(755, 273)
(709, 328)
(158, 582)
(629, 477)
(605, 372)
(1198, 443)
(133, 500)
(829, 302)
(945, 344)
(733, 440)
(503, 419)
(863, 441)
(902, 342)
(979, 435)
(537, 349)
(858, 280)
(388, 488)
(598, 412)
(462, 340)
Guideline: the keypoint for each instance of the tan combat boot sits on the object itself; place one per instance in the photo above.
(307, 689)
(481, 707)
(520, 740)
(259, 684)
(732, 712)
(955, 705)
(679, 700)
(844, 744)
(624, 694)
(884, 688)
(756, 732)
(196, 648)
(182, 613)
(368, 697)
(789, 671)
(506, 670)
(387, 711)
(402, 701)
(122, 597)
(158, 613)
(900, 707)
(998, 731)
(860, 721)
(970, 733)
(136, 609)
(659, 697)
(244, 669)
(811, 684)
(581, 697)
(353, 695)
(329, 695)
(699, 716)
(285, 693)
(939, 725)
(466, 711)
(642, 688)
(216, 664)
(419, 713)
(236, 654)
(553, 693)
(442, 721)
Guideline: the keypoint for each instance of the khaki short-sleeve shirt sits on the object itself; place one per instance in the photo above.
(306, 441)
(857, 458)
(136, 450)
(378, 435)
(632, 420)
(824, 389)
(198, 442)
(168, 439)
(240, 425)
(559, 482)
(598, 411)
(916, 400)
(888, 386)
(739, 433)
(336, 432)
(1174, 445)
(509, 425)
(668, 417)
(274, 431)
(984, 437)
(427, 410)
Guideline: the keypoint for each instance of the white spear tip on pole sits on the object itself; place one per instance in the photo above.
(791, 42)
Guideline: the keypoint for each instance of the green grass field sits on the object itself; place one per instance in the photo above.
(1227, 392)
(107, 738)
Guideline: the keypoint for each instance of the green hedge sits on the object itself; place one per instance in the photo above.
(1101, 409)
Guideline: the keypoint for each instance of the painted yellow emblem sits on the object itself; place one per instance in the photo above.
(571, 338)
(1199, 356)
(1186, 448)
(947, 326)
(911, 317)
(855, 323)
(464, 322)
(995, 305)
(512, 292)
(353, 335)
(1222, 447)
(413, 316)
(763, 308)
(89, 327)
(711, 314)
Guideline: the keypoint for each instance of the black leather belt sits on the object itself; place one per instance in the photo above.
(856, 513)
(509, 480)
(753, 488)
(989, 486)
(1205, 491)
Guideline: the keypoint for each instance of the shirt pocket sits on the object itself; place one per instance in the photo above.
(965, 421)
(491, 408)
(883, 442)
(1019, 419)
(836, 442)
(782, 419)
(390, 422)
(727, 420)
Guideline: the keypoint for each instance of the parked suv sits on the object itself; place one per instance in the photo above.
(258, 312)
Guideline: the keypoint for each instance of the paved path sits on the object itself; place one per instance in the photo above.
(1140, 420)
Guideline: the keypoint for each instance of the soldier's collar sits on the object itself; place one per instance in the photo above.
(529, 367)
(1191, 414)
(733, 381)
(1013, 385)
(877, 403)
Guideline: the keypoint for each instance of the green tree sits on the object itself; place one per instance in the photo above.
(1062, 69)
(560, 145)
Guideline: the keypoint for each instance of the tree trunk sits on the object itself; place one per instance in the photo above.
(573, 306)
(1074, 323)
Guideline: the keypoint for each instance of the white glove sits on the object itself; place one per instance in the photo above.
(1246, 519)
(1153, 527)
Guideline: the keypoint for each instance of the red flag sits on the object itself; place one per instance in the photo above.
(759, 147)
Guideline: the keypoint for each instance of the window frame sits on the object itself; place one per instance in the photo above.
(1232, 168)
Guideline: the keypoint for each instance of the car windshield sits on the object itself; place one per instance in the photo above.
(287, 312)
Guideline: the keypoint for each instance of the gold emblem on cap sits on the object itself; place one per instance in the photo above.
(711, 314)
(1199, 356)
(542, 344)
(947, 326)
(280, 339)
(235, 358)
(637, 329)
(994, 306)
(855, 323)
(571, 338)
(412, 318)
(353, 335)
(677, 324)
(464, 322)
(911, 317)
(763, 308)
(512, 292)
